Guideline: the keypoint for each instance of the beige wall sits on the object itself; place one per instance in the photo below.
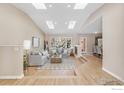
(76, 38)
(11, 62)
(90, 41)
(113, 36)
(15, 27)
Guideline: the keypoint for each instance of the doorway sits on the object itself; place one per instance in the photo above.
(83, 44)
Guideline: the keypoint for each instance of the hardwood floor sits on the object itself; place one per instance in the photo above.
(85, 73)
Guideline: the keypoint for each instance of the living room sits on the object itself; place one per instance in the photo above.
(75, 48)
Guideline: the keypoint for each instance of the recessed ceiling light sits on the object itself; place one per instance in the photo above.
(55, 23)
(50, 24)
(39, 5)
(65, 22)
(68, 5)
(71, 24)
(50, 5)
(80, 6)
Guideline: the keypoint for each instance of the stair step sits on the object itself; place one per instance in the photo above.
(84, 59)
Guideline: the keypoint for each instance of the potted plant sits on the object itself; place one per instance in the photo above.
(25, 64)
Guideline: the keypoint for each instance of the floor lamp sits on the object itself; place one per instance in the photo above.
(27, 46)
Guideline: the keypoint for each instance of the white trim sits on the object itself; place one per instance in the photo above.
(113, 74)
(12, 77)
(11, 45)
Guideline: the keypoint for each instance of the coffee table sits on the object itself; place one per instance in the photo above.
(56, 59)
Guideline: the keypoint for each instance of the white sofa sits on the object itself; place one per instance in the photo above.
(38, 59)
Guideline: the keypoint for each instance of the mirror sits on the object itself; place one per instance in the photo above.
(35, 42)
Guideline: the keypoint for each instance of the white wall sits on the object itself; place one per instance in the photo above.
(113, 36)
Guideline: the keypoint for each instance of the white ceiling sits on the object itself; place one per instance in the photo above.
(59, 13)
(94, 27)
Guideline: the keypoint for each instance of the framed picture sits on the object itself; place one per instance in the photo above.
(35, 42)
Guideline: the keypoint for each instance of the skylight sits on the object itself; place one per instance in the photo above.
(68, 5)
(80, 6)
(50, 24)
(39, 5)
(71, 24)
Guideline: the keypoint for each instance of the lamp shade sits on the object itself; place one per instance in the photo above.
(27, 44)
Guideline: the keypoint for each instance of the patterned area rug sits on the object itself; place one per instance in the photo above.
(67, 64)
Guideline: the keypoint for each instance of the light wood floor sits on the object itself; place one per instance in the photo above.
(85, 73)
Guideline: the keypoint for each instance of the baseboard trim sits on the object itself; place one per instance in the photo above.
(112, 74)
(12, 77)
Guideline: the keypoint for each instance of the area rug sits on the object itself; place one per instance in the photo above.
(67, 64)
